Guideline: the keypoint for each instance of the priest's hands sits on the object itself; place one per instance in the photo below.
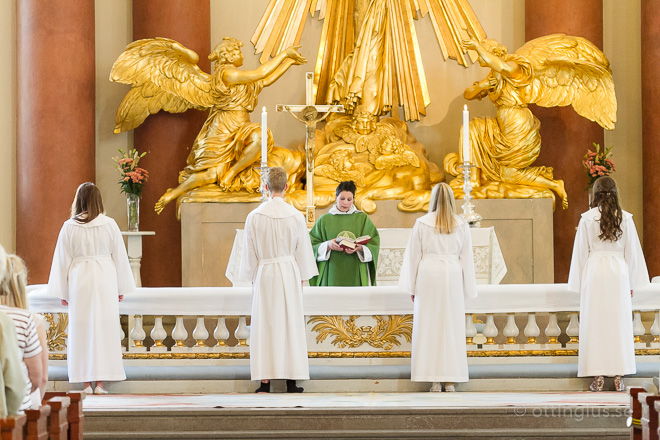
(358, 248)
(334, 246)
(64, 302)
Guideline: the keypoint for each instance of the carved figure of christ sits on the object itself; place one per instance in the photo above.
(309, 114)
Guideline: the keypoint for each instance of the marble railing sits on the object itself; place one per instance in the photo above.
(505, 320)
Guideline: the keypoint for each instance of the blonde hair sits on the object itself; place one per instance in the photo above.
(443, 204)
(12, 288)
(276, 179)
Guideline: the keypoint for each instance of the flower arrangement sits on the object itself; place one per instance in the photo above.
(133, 177)
(598, 163)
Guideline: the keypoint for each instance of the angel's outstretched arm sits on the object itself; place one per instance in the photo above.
(496, 63)
(284, 59)
(479, 89)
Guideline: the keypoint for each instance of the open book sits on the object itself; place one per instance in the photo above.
(349, 243)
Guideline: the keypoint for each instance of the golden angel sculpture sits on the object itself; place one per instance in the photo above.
(164, 76)
(369, 60)
(554, 70)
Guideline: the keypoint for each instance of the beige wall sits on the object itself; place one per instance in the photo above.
(438, 131)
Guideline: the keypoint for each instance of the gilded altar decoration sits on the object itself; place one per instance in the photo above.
(369, 61)
(550, 71)
(164, 75)
(347, 334)
(56, 332)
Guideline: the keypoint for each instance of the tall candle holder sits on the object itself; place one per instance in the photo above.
(263, 171)
(470, 216)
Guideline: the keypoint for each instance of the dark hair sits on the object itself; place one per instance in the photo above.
(606, 199)
(348, 185)
(87, 204)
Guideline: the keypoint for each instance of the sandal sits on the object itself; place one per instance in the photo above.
(597, 384)
(618, 383)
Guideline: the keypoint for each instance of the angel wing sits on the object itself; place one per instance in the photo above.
(283, 20)
(164, 76)
(571, 71)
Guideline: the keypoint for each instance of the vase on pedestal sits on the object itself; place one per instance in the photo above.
(133, 211)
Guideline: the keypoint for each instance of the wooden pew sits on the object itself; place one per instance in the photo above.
(636, 408)
(75, 414)
(36, 427)
(58, 423)
(11, 428)
(649, 415)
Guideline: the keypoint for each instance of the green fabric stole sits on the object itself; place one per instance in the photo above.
(343, 269)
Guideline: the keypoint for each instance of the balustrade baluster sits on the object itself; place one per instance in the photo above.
(511, 329)
(242, 332)
(179, 334)
(158, 334)
(490, 331)
(573, 331)
(638, 330)
(655, 329)
(552, 332)
(470, 332)
(137, 335)
(122, 335)
(200, 333)
(221, 334)
(532, 331)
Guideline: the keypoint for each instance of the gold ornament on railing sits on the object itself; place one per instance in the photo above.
(56, 332)
(164, 75)
(348, 335)
(551, 71)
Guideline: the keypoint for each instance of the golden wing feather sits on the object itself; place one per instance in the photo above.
(164, 76)
(571, 71)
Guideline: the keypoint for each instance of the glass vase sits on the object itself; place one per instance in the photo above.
(133, 211)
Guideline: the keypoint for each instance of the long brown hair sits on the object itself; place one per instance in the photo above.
(443, 204)
(12, 288)
(606, 199)
(87, 204)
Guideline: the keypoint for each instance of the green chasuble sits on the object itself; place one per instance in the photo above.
(343, 269)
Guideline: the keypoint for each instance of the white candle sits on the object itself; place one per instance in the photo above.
(466, 134)
(264, 137)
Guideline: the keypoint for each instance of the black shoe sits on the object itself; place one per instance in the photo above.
(263, 388)
(292, 388)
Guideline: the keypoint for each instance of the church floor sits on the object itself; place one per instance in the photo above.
(475, 415)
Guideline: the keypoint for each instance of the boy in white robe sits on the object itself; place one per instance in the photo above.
(277, 258)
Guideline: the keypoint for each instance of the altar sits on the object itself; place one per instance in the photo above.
(489, 264)
(522, 228)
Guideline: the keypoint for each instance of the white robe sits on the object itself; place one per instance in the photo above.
(90, 270)
(277, 257)
(439, 270)
(604, 272)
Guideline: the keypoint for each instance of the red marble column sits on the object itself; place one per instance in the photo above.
(168, 137)
(55, 142)
(651, 132)
(565, 135)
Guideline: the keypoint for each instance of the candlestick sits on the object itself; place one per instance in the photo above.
(466, 134)
(264, 137)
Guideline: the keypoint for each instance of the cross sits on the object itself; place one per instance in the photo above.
(308, 114)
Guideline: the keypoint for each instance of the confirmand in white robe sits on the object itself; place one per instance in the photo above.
(277, 257)
(438, 269)
(90, 270)
(604, 272)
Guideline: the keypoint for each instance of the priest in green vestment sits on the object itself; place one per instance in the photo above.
(338, 265)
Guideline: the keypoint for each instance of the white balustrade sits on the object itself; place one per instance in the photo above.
(183, 306)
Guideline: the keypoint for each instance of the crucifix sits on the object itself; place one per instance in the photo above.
(309, 114)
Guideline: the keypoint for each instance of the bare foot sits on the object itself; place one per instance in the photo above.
(561, 192)
(164, 200)
(225, 182)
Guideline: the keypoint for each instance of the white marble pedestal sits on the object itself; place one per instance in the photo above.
(134, 249)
